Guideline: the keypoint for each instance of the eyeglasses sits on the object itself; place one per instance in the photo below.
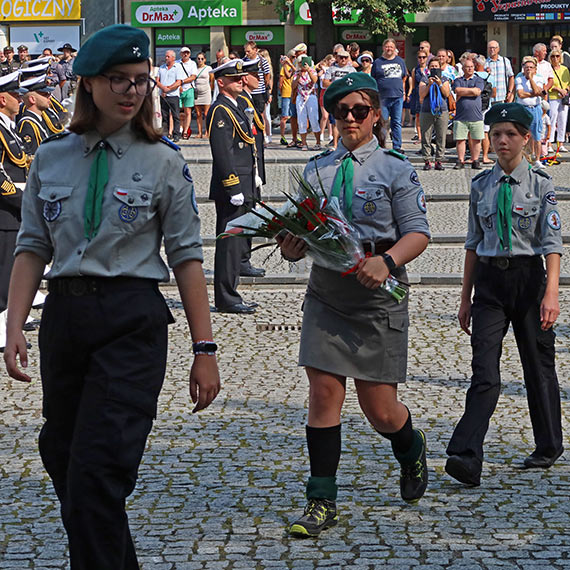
(122, 85)
(200, 59)
(343, 57)
(422, 56)
(359, 112)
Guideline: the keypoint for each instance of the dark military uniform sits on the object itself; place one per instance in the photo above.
(245, 101)
(233, 172)
(7, 67)
(55, 116)
(32, 130)
(13, 171)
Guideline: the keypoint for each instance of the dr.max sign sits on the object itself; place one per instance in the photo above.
(198, 13)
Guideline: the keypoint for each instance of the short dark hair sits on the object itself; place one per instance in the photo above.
(85, 116)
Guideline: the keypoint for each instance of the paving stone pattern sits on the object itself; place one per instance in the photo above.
(217, 490)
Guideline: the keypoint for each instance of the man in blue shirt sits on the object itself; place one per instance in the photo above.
(468, 114)
(390, 73)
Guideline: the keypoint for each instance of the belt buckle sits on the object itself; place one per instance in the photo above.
(502, 263)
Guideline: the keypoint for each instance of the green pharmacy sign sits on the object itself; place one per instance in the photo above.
(193, 13)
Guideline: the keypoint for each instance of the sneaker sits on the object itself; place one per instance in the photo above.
(330, 139)
(475, 165)
(550, 150)
(459, 165)
(562, 148)
(427, 165)
(319, 514)
(415, 138)
(414, 476)
(283, 141)
(438, 165)
(539, 164)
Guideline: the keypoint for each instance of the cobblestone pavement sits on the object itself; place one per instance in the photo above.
(216, 490)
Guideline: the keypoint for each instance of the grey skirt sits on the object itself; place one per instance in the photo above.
(352, 331)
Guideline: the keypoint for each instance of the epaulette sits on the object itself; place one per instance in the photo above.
(321, 154)
(541, 171)
(169, 143)
(398, 154)
(56, 136)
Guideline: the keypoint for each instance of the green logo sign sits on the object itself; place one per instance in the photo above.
(194, 13)
(169, 37)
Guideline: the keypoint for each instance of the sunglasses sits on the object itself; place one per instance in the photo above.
(359, 112)
(554, 56)
(342, 57)
(422, 56)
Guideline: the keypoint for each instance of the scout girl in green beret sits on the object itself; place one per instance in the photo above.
(513, 223)
(99, 202)
(351, 327)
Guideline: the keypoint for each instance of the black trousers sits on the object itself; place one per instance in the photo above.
(229, 255)
(103, 359)
(7, 247)
(170, 106)
(503, 297)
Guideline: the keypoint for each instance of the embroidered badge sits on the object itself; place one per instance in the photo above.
(349, 80)
(414, 178)
(137, 176)
(51, 211)
(128, 214)
(186, 174)
(524, 223)
(136, 51)
(504, 113)
(488, 222)
(553, 219)
(28, 139)
(550, 197)
(421, 201)
(220, 124)
(369, 208)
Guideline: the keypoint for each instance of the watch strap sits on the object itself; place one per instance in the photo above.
(389, 261)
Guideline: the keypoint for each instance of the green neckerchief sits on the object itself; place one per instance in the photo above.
(98, 178)
(504, 212)
(344, 177)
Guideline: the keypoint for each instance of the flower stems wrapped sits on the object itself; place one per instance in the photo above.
(333, 242)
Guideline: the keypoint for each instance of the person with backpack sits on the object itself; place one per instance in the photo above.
(468, 121)
(487, 95)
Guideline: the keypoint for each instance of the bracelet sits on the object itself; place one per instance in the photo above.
(390, 263)
(208, 347)
(290, 259)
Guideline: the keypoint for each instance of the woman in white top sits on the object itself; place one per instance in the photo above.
(203, 85)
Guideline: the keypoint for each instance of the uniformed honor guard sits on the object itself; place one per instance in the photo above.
(13, 173)
(32, 128)
(9, 65)
(352, 327)
(233, 181)
(101, 199)
(513, 223)
(245, 102)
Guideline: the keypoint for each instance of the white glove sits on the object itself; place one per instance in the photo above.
(258, 181)
(237, 200)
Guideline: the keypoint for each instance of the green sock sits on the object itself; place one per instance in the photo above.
(415, 450)
(322, 488)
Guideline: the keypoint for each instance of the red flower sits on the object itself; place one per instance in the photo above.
(275, 225)
(308, 205)
(321, 217)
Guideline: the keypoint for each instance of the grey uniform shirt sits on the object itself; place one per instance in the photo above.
(150, 195)
(388, 200)
(535, 217)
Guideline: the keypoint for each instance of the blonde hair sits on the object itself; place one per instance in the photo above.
(529, 58)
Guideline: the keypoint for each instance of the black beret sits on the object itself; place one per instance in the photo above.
(111, 46)
(509, 113)
(345, 85)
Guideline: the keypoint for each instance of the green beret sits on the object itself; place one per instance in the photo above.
(345, 85)
(111, 46)
(509, 113)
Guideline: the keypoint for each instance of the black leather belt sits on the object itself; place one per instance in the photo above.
(81, 286)
(511, 262)
(377, 247)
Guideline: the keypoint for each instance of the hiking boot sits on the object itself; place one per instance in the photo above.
(319, 515)
(414, 476)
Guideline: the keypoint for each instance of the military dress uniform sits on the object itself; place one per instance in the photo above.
(103, 335)
(56, 116)
(509, 287)
(233, 172)
(13, 173)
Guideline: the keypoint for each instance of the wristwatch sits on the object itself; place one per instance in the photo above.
(390, 263)
(204, 347)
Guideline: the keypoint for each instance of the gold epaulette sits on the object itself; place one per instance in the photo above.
(50, 125)
(20, 161)
(231, 180)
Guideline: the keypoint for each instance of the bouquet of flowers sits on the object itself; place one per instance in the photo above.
(333, 242)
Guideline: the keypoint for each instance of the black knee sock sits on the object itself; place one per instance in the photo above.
(403, 439)
(324, 450)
